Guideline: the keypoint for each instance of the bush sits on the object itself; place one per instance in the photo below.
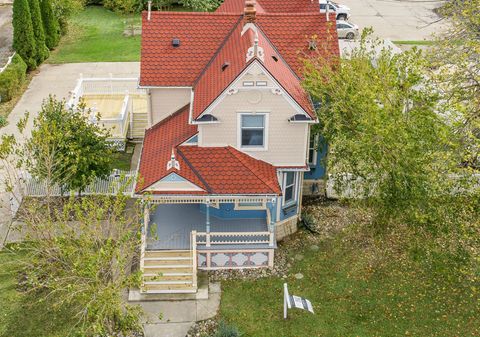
(3, 121)
(227, 330)
(23, 36)
(50, 25)
(12, 78)
(38, 32)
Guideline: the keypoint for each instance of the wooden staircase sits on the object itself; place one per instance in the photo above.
(169, 271)
(138, 125)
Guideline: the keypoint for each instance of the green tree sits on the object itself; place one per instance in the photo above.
(78, 147)
(456, 71)
(23, 35)
(379, 115)
(37, 22)
(64, 9)
(50, 25)
(200, 5)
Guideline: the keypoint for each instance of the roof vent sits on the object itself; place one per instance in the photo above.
(225, 65)
(312, 45)
(275, 58)
(176, 42)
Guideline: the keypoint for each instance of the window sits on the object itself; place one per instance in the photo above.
(253, 129)
(248, 83)
(249, 205)
(312, 150)
(289, 193)
(261, 83)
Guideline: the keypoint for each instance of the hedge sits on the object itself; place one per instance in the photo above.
(12, 78)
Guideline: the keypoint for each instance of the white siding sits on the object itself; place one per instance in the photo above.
(287, 142)
(166, 101)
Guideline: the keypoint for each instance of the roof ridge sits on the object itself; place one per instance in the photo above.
(220, 47)
(155, 13)
(234, 153)
(207, 186)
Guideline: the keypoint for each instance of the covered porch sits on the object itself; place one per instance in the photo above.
(216, 227)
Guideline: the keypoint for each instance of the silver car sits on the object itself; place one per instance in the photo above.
(347, 30)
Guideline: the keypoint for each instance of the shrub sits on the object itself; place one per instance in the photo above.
(23, 37)
(3, 121)
(227, 330)
(38, 32)
(50, 25)
(12, 78)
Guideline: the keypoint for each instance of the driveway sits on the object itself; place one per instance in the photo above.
(56, 80)
(397, 19)
(6, 33)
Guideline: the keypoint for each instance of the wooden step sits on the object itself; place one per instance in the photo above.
(168, 282)
(166, 288)
(180, 263)
(168, 253)
(164, 277)
(171, 270)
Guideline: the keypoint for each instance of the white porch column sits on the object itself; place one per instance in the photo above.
(208, 223)
(271, 225)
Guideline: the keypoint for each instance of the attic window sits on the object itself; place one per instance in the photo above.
(176, 42)
(248, 83)
(275, 58)
(225, 65)
(261, 83)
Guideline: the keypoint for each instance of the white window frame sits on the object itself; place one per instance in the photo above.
(239, 207)
(261, 83)
(315, 148)
(248, 83)
(265, 131)
(295, 188)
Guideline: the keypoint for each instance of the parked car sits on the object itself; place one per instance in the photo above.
(347, 30)
(342, 11)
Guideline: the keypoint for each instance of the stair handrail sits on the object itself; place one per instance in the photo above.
(194, 258)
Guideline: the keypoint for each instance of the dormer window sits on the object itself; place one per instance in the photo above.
(253, 131)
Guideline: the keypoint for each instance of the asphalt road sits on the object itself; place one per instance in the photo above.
(397, 19)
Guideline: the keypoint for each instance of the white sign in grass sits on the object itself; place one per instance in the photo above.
(292, 301)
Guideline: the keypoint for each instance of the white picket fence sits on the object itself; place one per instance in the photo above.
(118, 181)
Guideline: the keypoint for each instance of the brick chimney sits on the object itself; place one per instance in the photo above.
(250, 11)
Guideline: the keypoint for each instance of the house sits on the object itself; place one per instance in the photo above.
(228, 144)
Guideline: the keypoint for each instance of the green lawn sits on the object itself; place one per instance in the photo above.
(96, 35)
(357, 290)
(19, 315)
(416, 43)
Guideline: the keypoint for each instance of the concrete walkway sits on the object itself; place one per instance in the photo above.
(56, 80)
(174, 318)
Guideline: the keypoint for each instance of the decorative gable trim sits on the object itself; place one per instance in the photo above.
(174, 183)
(279, 90)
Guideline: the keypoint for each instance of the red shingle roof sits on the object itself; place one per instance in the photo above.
(213, 81)
(200, 36)
(272, 6)
(217, 170)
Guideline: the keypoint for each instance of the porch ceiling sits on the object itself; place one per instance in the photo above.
(175, 222)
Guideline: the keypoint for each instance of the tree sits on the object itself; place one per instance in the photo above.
(381, 123)
(50, 24)
(23, 36)
(456, 71)
(79, 148)
(200, 5)
(64, 9)
(38, 32)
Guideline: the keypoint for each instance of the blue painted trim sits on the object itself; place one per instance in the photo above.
(228, 211)
(291, 209)
(318, 170)
(174, 177)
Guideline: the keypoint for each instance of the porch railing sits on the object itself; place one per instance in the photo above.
(232, 238)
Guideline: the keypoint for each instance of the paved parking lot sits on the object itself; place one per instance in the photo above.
(396, 19)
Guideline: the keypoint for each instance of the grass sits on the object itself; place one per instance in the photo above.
(19, 315)
(122, 160)
(358, 288)
(416, 43)
(96, 35)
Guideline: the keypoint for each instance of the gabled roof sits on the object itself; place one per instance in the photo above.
(216, 170)
(215, 79)
(200, 35)
(236, 6)
(272, 6)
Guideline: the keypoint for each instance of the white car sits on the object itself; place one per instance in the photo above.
(347, 30)
(342, 11)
